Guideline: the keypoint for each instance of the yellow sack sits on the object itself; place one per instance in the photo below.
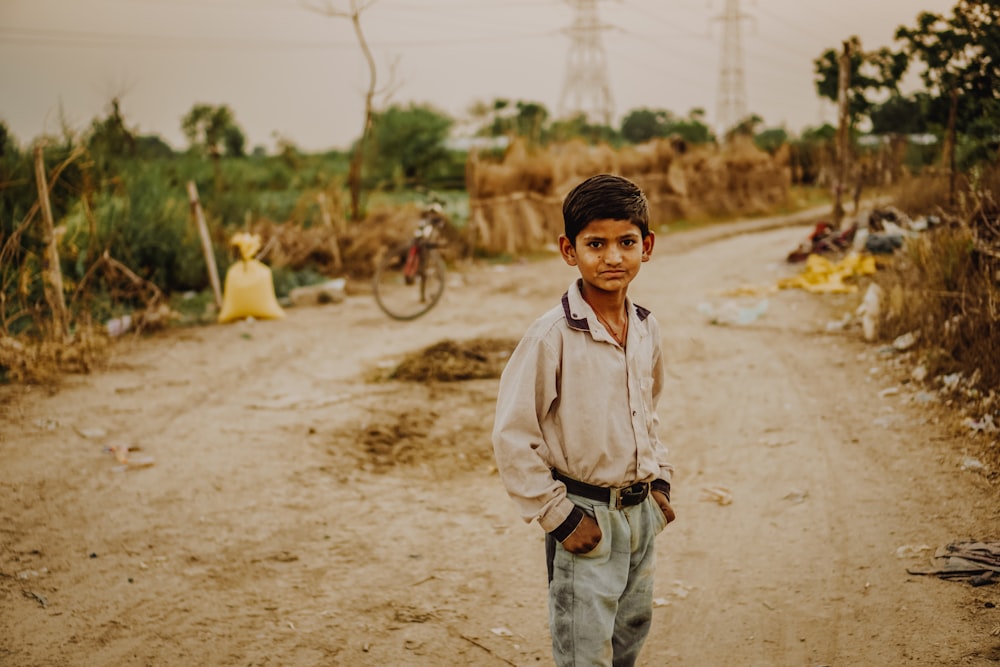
(249, 287)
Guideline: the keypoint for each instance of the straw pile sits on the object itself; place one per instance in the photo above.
(516, 204)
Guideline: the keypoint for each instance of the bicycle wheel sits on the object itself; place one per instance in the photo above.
(406, 294)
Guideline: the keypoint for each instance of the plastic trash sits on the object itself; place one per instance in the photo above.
(870, 312)
(118, 325)
(126, 460)
(718, 494)
(732, 313)
(906, 341)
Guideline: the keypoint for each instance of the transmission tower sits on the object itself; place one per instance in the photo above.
(586, 89)
(732, 96)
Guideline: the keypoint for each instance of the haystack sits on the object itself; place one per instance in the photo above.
(516, 204)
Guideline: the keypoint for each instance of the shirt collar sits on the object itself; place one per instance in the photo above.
(576, 309)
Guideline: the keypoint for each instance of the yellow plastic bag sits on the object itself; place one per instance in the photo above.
(821, 276)
(249, 286)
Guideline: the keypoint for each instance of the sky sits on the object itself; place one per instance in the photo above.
(289, 72)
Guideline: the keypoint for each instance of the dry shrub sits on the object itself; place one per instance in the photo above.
(739, 179)
(924, 194)
(296, 247)
(45, 362)
(360, 246)
(521, 170)
(452, 361)
(941, 288)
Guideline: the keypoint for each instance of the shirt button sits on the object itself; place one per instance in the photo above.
(634, 413)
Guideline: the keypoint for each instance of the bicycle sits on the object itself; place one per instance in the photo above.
(410, 278)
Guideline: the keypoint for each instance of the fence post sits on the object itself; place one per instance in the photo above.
(206, 241)
(51, 271)
(324, 211)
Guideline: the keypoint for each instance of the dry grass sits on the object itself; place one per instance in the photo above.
(516, 204)
(454, 361)
(945, 288)
(40, 362)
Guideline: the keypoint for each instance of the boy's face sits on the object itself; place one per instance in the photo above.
(608, 253)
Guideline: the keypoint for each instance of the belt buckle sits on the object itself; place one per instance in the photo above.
(616, 498)
(619, 495)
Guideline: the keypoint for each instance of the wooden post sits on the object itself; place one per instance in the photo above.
(206, 241)
(471, 174)
(950, 145)
(324, 211)
(843, 134)
(51, 271)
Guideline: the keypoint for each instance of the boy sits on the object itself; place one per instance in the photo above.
(575, 432)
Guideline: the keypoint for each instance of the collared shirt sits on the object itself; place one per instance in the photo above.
(571, 398)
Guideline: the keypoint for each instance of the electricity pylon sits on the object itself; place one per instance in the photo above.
(732, 97)
(586, 89)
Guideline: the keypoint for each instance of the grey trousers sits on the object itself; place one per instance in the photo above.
(601, 602)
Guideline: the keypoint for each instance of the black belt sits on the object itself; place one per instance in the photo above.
(617, 497)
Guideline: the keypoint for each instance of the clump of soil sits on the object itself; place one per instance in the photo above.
(453, 361)
(433, 431)
(398, 438)
(428, 423)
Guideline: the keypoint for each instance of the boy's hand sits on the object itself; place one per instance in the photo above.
(584, 538)
(661, 500)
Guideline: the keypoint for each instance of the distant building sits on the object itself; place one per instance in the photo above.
(481, 143)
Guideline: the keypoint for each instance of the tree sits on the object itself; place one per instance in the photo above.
(409, 142)
(641, 125)
(771, 139)
(109, 138)
(151, 147)
(961, 64)
(691, 129)
(356, 167)
(746, 127)
(207, 129)
(871, 73)
(235, 141)
(530, 120)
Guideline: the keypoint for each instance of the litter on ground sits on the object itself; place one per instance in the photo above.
(978, 563)
(821, 276)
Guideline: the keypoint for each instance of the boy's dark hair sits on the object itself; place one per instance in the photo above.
(604, 197)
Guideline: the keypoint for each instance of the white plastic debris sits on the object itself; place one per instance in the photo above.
(906, 341)
(870, 311)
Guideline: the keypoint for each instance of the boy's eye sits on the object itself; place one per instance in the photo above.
(594, 244)
(628, 242)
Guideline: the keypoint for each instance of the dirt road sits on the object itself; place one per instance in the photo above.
(299, 514)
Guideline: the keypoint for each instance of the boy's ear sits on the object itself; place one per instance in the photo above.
(647, 246)
(567, 250)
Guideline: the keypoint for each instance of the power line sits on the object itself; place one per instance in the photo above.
(103, 40)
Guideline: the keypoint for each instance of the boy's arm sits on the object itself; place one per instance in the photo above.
(529, 386)
(662, 483)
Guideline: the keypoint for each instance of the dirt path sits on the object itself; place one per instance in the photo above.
(298, 514)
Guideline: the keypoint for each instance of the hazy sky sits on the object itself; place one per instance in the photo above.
(288, 71)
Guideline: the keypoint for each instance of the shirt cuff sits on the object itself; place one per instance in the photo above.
(662, 486)
(566, 528)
